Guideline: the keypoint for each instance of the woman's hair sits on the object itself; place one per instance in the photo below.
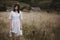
(17, 9)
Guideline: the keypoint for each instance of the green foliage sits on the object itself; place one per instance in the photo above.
(2, 8)
(55, 4)
(24, 6)
(44, 4)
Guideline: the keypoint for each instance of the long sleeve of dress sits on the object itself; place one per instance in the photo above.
(10, 15)
(21, 16)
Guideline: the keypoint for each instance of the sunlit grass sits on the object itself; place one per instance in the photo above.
(36, 26)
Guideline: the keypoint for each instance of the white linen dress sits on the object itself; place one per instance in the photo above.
(16, 25)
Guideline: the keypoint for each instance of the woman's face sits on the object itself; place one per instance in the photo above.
(16, 7)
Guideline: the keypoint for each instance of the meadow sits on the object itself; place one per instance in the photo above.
(36, 26)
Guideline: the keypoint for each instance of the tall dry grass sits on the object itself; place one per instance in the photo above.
(36, 26)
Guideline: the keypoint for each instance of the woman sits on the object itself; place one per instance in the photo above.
(16, 21)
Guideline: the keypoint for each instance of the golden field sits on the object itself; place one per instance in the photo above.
(36, 26)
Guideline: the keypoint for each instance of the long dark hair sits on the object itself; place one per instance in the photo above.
(17, 9)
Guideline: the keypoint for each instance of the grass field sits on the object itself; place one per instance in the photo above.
(36, 26)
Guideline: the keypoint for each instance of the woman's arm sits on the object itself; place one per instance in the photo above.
(10, 24)
(21, 19)
(20, 24)
(10, 20)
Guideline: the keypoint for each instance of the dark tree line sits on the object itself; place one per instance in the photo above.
(54, 4)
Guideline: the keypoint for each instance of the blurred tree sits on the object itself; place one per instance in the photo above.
(55, 4)
(3, 5)
(35, 2)
(24, 1)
